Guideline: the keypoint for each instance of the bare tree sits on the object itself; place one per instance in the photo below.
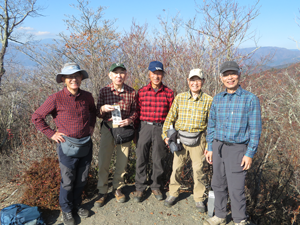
(13, 13)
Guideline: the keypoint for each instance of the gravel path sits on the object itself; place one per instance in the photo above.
(150, 211)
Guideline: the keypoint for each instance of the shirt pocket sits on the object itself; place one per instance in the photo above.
(84, 109)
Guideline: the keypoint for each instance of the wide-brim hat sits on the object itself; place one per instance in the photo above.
(71, 68)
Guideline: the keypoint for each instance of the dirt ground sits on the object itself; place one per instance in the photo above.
(150, 211)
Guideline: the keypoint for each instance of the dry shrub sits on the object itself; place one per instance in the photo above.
(43, 184)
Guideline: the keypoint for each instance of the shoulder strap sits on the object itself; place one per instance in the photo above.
(109, 128)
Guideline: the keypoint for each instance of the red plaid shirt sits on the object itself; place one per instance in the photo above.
(126, 99)
(73, 115)
(154, 106)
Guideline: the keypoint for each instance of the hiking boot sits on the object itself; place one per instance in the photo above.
(81, 212)
(170, 201)
(243, 222)
(67, 218)
(200, 206)
(138, 196)
(100, 202)
(120, 197)
(157, 194)
(215, 221)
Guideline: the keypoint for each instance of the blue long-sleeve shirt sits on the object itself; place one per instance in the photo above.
(235, 118)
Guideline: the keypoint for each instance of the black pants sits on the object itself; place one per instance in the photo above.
(74, 172)
(149, 135)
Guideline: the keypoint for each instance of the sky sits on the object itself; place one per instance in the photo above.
(275, 26)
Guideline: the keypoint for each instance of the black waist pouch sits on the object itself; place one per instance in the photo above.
(121, 134)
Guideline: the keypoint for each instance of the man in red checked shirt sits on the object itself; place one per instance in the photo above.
(74, 113)
(116, 93)
(153, 104)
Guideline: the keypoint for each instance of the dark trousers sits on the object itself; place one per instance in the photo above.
(74, 173)
(228, 172)
(149, 135)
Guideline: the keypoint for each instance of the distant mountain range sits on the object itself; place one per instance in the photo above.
(282, 57)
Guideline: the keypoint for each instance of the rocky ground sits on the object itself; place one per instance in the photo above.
(150, 211)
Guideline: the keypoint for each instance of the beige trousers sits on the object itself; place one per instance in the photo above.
(107, 147)
(197, 156)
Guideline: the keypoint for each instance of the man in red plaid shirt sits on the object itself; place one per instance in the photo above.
(153, 104)
(116, 93)
(74, 113)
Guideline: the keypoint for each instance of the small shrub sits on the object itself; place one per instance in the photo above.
(43, 184)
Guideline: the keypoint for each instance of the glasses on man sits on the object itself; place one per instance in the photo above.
(119, 72)
(227, 73)
(73, 76)
(195, 81)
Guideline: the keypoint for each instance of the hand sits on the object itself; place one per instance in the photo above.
(58, 137)
(107, 108)
(125, 122)
(208, 156)
(246, 162)
(167, 141)
(91, 131)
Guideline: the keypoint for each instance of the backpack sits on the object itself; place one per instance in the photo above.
(20, 214)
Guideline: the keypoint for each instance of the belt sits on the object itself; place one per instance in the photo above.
(154, 123)
(225, 142)
(220, 146)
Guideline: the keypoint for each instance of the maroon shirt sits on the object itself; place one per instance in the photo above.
(154, 106)
(73, 115)
(126, 99)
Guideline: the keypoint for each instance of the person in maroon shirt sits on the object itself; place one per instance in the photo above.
(74, 114)
(117, 92)
(153, 104)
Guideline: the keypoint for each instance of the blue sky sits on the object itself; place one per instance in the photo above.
(275, 25)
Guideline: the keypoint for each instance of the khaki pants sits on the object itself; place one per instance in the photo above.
(107, 147)
(197, 156)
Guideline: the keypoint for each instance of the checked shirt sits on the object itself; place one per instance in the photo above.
(125, 98)
(154, 106)
(189, 114)
(235, 118)
(73, 115)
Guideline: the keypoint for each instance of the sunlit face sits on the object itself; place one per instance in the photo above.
(118, 76)
(72, 81)
(231, 80)
(195, 84)
(156, 77)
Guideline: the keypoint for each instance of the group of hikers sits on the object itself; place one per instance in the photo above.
(224, 130)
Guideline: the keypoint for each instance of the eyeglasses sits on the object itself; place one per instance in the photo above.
(120, 72)
(233, 73)
(73, 76)
(196, 81)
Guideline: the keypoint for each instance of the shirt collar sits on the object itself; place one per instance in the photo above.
(66, 91)
(112, 87)
(238, 92)
(149, 87)
(198, 97)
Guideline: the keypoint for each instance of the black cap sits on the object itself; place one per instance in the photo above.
(229, 65)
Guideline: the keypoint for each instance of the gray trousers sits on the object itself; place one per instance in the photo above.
(228, 173)
(150, 135)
